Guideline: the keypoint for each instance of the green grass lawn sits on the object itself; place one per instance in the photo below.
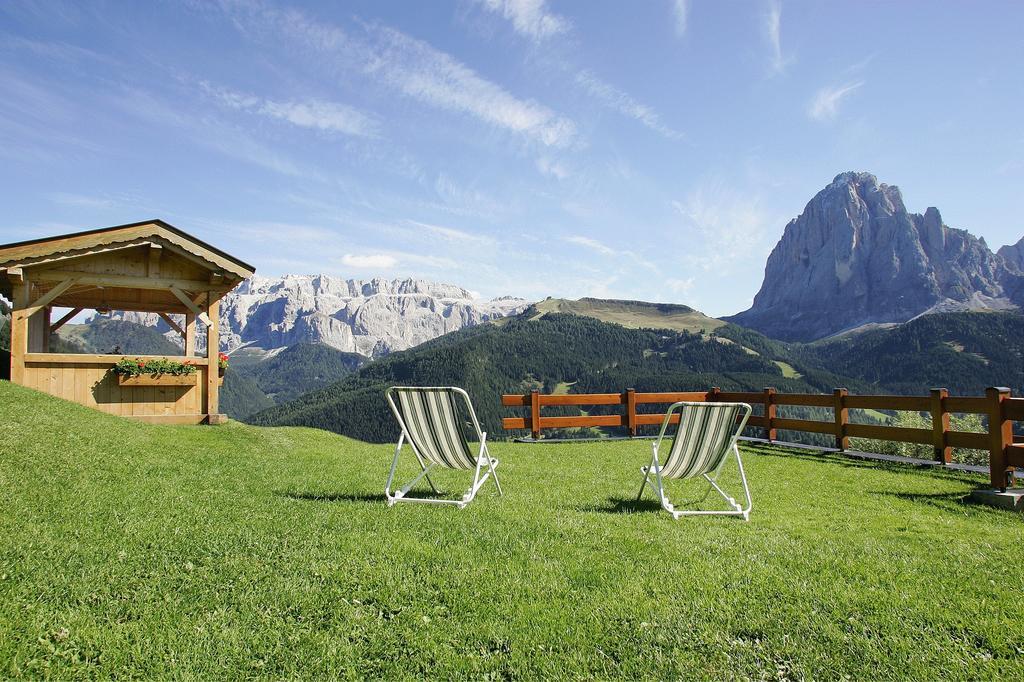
(233, 551)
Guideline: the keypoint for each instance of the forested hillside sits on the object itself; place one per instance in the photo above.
(547, 353)
(964, 352)
(305, 367)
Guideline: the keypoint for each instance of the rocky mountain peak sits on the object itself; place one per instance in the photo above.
(855, 255)
(1013, 255)
(371, 317)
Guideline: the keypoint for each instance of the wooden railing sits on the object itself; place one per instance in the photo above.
(997, 405)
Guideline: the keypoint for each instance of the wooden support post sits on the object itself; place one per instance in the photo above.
(212, 354)
(44, 328)
(1000, 435)
(190, 335)
(535, 414)
(631, 411)
(842, 415)
(769, 414)
(940, 426)
(19, 330)
(38, 329)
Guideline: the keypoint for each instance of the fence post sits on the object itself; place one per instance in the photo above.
(535, 413)
(769, 414)
(631, 411)
(842, 415)
(1000, 437)
(940, 426)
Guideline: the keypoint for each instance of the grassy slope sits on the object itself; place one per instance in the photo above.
(632, 314)
(235, 551)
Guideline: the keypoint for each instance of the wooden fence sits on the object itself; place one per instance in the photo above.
(996, 405)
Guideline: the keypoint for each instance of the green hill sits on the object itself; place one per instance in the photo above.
(162, 552)
(254, 384)
(630, 314)
(546, 352)
(964, 352)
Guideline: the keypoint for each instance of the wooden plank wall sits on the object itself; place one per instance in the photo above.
(93, 384)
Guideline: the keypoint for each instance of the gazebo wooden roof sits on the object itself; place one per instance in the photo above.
(142, 264)
(149, 266)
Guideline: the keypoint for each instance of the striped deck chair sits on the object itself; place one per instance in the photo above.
(429, 419)
(706, 435)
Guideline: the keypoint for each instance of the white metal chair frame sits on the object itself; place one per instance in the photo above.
(483, 458)
(656, 467)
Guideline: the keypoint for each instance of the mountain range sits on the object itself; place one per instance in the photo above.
(369, 317)
(855, 256)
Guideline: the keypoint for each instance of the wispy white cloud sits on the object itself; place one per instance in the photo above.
(680, 10)
(312, 113)
(825, 104)
(450, 234)
(552, 169)
(372, 261)
(210, 133)
(409, 65)
(619, 101)
(80, 200)
(434, 77)
(680, 287)
(591, 244)
(726, 228)
(777, 62)
(530, 18)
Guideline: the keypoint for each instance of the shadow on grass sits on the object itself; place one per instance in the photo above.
(854, 462)
(947, 501)
(311, 496)
(619, 505)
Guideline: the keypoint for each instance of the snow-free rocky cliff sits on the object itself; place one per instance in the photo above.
(370, 317)
(855, 256)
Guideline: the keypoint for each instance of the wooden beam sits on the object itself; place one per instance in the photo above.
(216, 278)
(126, 281)
(190, 334)
(153, 266)
(19, 331)
(47, 298)
(99, 359)
(15, 275)
(190, 304)
(172, 324)
(64, 320)
(212, 355)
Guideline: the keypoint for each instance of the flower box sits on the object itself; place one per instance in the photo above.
(157, 380)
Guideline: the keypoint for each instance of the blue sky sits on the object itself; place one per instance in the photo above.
(651, 150)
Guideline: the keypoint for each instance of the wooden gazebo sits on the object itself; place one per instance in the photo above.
(148, 267)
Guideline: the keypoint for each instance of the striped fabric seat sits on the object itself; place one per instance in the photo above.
(705, 437)
(431, 419)
(431, 422)
(705, 434)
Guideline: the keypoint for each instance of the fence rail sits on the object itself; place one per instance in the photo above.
(1001, 410)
